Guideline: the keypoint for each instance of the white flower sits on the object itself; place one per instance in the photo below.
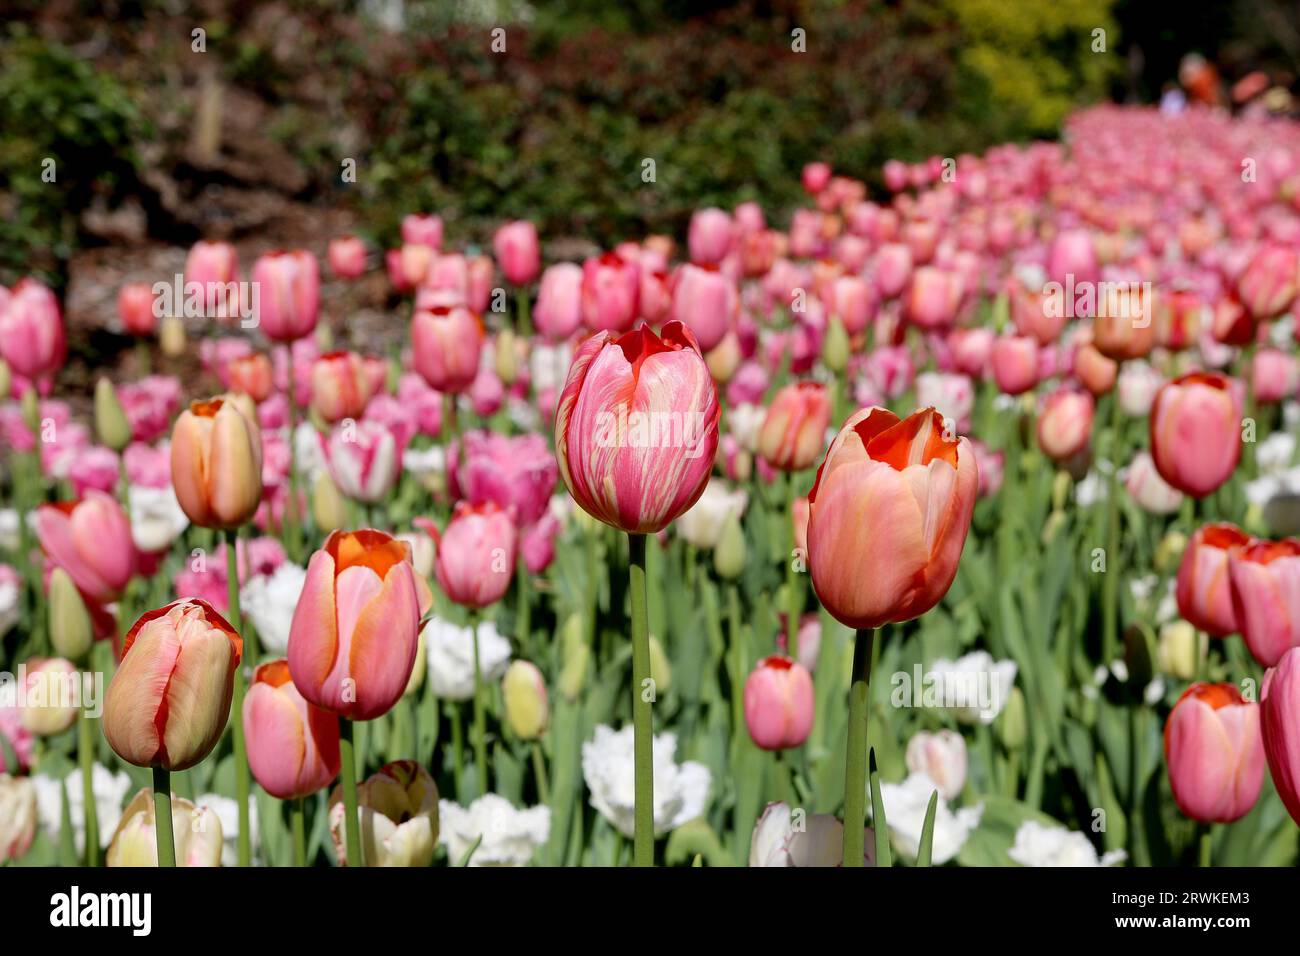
(1137, 384)
(156, 517)
(974, 687)
(8, 529)
(681, 790)
(427, 462)
(308, 458)
(110, 791)
(744, 421)
(270, 600)
(940, 756)
(1275, 453)
(227, 811)
(702, 524)
(1040, 845)
(451, 657)
(510, 836)
(815, 840)
(905, 807)
(548, 366)
(9, 594)
(1090, 490)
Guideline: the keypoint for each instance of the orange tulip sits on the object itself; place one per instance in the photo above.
(293, 746)
(794, 431)
(217, 463)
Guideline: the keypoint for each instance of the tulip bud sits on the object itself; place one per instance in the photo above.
(1215, 753)
(49, 709)
(724, 358)
(779, 703)
(1170, 550)
(524, 692)
(196, 831)
(328, 506)
(1179, 653)
(731, 551)
(171, 336)
(1061, 490)
(1055, 521)
(1012, 724)
(576, 657)
(506, 359)
(111, 424)
(217, 462)
(6, 379)
(835, 347)
(661, 671)
(71, 631)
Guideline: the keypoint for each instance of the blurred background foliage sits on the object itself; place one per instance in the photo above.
(557, 127)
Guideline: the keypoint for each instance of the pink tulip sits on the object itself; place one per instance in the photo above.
(288, 289)
(611, 287)
(894, 173)
(815, 177)
(1204, 589)
(293, 746)
(1065, 423)
(793, 433)
(476, 555)
(1215, 753)
(479, 281)
(1265, 579)
(636, 427)
(518, 252)
(972, 350)
(517, 473)
(135, 302)
(1015, 363)
(446, 343)
(990, 464)
(1073, 255)
(953, 395)
(340, 386)
(91, 540)
(355, 631)
(893, 269)
(709, 236)
(1280, 723)
(933, 298)
(1268, 286)
(420, 230)
(251, 374)
(31, 331)
(1196, 432)
(1275, 375)
(1145, 486)
(705, 301)
(779, 703)
(538, 543)
(558, 312)
(214, 267)
(347, 257)
(95, 468)
(853, 301)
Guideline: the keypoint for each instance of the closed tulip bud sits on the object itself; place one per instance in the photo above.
(1179, 652)
(730, 553)
(1012, 725)
(621, 462)
(1268, 285)
(398, 816)
(328, 506)
(1015, 363)
(341, 386)
(6, 378)
(611, 291)
(1128, 330)
(420, 667)
(293, 746)
(1170, 550)
(725, 358)
(31, 330)
(49, 696)
(111, 424)
(354, 636)
(558, 312)
(1204, 589)
(940, 756)
(71, 630)
(251, 375)
(888, 516)
(506, 357)
(1215, 753)
(1065, 424)
(217, 463)
(167, 704)
(477, 554)
(1054, 523)
(524, 691)
(30, 408)
(793, 433)
(171, 336)
(709, 236)
(1280, 722)
(835, 347)
(196, 832)
(661, 672)
(347, 257)
(1265, 575)
(18, 816)
(1095, 371)
(518, 252)
(1196, 432)
(135, 307)
(705, 301)
(575, 656)
(288, 294)
(446, 342)
(779, 703)
(91, 540)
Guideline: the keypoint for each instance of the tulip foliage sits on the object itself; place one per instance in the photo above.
(947, 524)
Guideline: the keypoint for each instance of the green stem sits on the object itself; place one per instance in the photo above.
(296, 813)
(855, 756)
(1206, 845)
(291, 506)
(351, 820)
(794, 594)
(737, 661)
(642, 719)
(86, 756)
(539, 773)
(457, 746)
(480, 715)
(142, 355)
(242, 785)
(162, 816)
(525, 317)
(1110, 584)
(524, 606)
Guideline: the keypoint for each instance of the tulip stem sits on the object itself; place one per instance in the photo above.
(291, 506)
(249, 655)
(86, 756)
(296, 813)
(855, 756)
(524, 609)
(457, 745)
(162, 816)
(525, 317)
(539, 772)
(142, 355)
(794, 594)
(351, 822)
(1110, 584)
(480, 717)
(1206, 845)
(737, 661)
(643, 841)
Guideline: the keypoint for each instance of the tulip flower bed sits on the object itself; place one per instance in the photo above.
(946, 527)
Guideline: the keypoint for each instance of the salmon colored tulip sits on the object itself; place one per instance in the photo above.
(355, 630)
(1215, 753)
(91, 540)
(1093, 370)
(477, 554)
(1265, 582)
(636, 427)
(135, 308)
(446, 342)
(793, 433)
(293, 746)
(779, 703)
(1125, 329)
(1196, 431)
(340, 386)
(288, 288)
(1065, 423)
(1204, 588)
(167, 704)
(933, 297)
(888, 516)
(217, 463)
(251, 374)
(1280, 721)
(347, 257)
